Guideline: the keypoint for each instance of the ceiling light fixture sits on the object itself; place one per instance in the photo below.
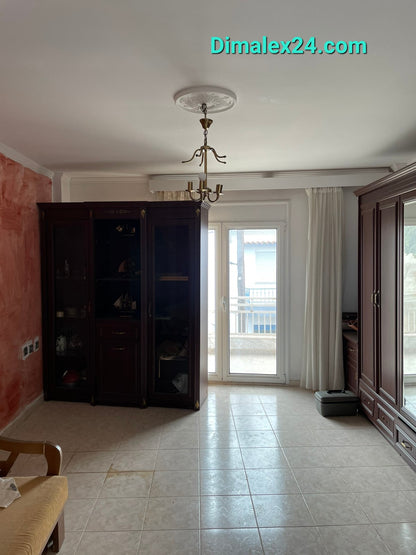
(197, 100)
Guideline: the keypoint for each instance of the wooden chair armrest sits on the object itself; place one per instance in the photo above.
(51, 452)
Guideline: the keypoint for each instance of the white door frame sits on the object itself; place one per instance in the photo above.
(222, 354)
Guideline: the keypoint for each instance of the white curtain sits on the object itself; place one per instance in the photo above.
(322, 355)
(172, 195)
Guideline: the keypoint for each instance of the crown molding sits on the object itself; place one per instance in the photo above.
(296, 179)
(100, 179)
(25, 161)
(277, 173)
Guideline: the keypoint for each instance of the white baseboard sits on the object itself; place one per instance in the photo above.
(25, 413)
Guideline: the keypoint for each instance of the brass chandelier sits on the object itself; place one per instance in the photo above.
(203, 192)
(202, 99)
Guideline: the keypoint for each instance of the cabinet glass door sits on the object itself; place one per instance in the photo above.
(117, 269)
(71, 332)
(409, 308)
(172, 307)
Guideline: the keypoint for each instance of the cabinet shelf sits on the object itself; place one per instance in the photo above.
(169, 279)
(117, 279)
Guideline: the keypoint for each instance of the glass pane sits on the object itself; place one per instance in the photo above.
(172, 308)
(212, 295)
(71, 300)
(117, 269)
(409, 308)
(252, 301)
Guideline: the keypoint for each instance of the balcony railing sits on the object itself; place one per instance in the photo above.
(253, 315)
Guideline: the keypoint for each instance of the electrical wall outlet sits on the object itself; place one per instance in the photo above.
(36, 344)
(25, 351)
(30, 346)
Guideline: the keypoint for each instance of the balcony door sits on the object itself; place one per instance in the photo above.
(245, 309)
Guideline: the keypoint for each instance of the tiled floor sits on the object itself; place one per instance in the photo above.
(256, 470)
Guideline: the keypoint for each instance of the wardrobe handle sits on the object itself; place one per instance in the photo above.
(377, 298)
(119, 348)
(118, 332)
(406, 445)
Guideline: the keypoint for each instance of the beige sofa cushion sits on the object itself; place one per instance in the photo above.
(26, 524)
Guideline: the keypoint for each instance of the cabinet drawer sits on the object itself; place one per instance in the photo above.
(367, 403)
(118, 332)
(406, 442)
(385, 420)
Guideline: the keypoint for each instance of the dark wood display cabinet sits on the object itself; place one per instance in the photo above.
(125, 302)
(387, 312)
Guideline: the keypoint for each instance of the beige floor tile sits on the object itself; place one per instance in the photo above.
(85, 485)
(175, 483)
(98, 461)
(252, 423)
(292, 541)
(287, 421)
(247, 409)
(399, 537)
(219, 439)
(127, 484)
(110, 543)
(387, 507)
(307, 457)
(322, 480)
(355, 539)
(335, 509)
(114, 515)
(224, 482)
(364, 455)
(77, 513)
(281, 510)
(356, 492)
(129, 461)
(263, 457)
(388, 478)
(254, 438)
(271, 481)
(148, 439)
(231, 542)
(212, 424)
(298, 437)
(220, 459)
(170, 542)
(223, 511)
(179, 440)
(177, 459)
(172, 513)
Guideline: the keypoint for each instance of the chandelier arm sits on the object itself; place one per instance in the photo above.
(218, 156)
(193, 156)
(203, 155)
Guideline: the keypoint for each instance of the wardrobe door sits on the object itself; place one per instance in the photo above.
(387, 300)
(367, 302)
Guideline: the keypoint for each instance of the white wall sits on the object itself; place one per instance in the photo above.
(107, 189)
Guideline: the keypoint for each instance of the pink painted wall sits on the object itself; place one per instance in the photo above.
(20, 288)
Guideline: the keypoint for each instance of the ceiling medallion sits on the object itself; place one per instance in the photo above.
(204, 100)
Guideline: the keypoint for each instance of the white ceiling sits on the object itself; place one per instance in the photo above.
(86, 86)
